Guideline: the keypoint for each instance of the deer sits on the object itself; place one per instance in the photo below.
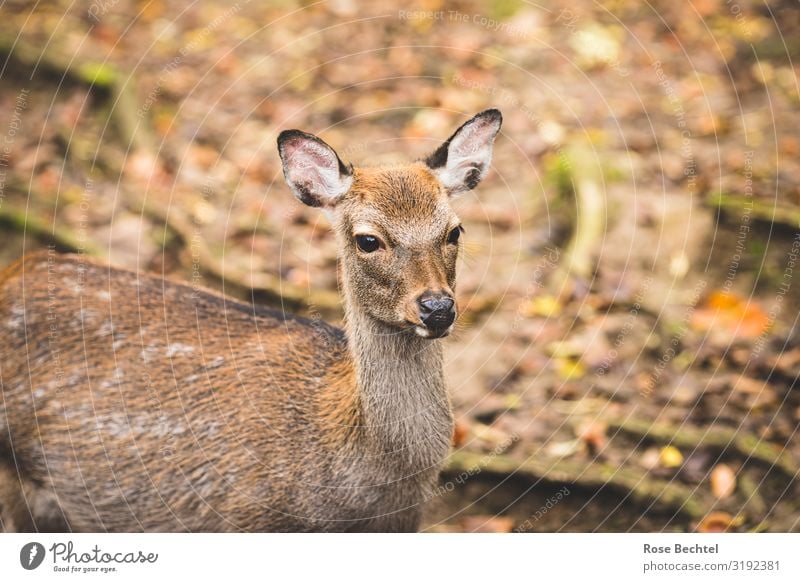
(133, 402)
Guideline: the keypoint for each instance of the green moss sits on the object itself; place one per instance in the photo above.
(758, 209)
(98, 74)
(558, 173)
(504, 9)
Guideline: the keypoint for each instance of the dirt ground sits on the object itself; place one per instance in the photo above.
(628, 355)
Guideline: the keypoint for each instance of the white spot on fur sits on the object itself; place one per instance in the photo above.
(115, 424)
(85, 317)
(422, 332)
(72, 285)
(215, 363)
(106, 329)
(116, 379)
(17, 320)
(179, 349)
(104, 295)
(148, 353)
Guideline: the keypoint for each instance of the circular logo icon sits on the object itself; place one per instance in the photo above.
(31, 555)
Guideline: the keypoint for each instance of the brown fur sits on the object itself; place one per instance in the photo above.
(134, 403)
(149, 405)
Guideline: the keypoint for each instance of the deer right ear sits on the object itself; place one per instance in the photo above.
(463, 160)
(312, 169)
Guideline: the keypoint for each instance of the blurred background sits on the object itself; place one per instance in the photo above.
(628, 354)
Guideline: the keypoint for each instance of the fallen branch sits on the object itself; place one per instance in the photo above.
(137, 137)
(103, 76)
(754, 506)
(28, 223)
(641, 487)
(718, 438)
(739, 204)
(582, 180)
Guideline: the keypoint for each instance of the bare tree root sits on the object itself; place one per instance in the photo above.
(62, 239)
(640, 486)
(755, 507)
(739, 203)
(583, 181)
(718, 438)
(136, 135)
(123, 111)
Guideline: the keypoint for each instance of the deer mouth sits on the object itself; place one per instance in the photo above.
(429, 332)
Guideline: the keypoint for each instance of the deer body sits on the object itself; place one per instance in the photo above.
(133, 403)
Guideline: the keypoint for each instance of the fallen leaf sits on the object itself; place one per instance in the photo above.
(460, 432)
(569, 369)
(650, 459)
(595, 45)
(487, 524)
(593, 434)
(757, 393)
(542, 306)
(563, 449)
(670, 457)
(731, 315)
(723, 481)
(717, 521)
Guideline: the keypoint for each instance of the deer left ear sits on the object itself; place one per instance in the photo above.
(312, 169)
(462, 161)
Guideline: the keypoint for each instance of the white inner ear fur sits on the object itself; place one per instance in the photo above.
(312, 169)
(470, 152)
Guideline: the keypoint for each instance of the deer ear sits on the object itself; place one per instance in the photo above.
(462, 161)
(312, 169)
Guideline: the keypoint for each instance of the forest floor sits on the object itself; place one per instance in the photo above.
(628, 354)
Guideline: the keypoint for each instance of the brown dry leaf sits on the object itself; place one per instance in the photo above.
(593, 434)
(723, 481)
(788, 362)
(650, 459)
(735, 316)
(488, 524)
(143, 166)
(717, 522)
(757, 392)
(489, 434)
(460, 432)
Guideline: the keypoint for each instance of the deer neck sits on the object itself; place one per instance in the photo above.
(401, 395)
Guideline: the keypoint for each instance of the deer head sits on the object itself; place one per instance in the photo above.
(398, 234)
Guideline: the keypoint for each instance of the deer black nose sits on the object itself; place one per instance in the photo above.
(436, 310)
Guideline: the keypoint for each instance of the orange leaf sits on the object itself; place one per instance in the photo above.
(488, 524)
(460, 432)
(717, 522)
(732, 314)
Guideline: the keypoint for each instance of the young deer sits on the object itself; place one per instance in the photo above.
(134, 403)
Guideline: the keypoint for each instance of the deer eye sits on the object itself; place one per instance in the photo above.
(368, 243)
(454, 235)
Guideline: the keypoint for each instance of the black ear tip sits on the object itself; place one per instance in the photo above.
(288, 134)
(492, 115)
